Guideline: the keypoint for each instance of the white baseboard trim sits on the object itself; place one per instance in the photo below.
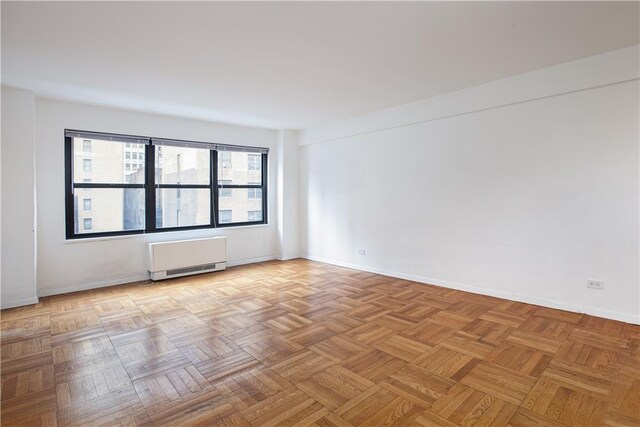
(130, 279)
(250, 260)
(19, 302)
(287, 257)
(94, 285)
(529, 299)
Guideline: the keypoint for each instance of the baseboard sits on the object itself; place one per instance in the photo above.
(94, 285)
(19, 302)
(287, 257)
(529, 299)
(250, 260)
(131, 279)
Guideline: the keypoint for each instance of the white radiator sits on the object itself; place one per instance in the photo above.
(184, 257)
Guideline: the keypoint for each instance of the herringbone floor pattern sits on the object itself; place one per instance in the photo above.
(303, 343)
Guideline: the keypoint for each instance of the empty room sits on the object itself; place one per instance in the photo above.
(320, 213)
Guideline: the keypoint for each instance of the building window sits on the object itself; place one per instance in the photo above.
(224, 191)
(225, 216)
(224, 159)
(254, 215)
(158, 185)
(86, 145)
(254, 162)
(254, 193)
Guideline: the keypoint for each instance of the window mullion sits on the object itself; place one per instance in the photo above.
(214, 187)
(150, 188)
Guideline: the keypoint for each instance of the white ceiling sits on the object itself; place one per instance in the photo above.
(292, 65)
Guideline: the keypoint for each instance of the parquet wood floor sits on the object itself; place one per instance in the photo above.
(304, 343)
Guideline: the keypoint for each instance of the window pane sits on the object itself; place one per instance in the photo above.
(110, 209)
(240, 205)
(243, 169)
(182, 207)
(182, 165)
(104, 162)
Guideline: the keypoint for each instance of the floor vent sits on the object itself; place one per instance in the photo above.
(192, 269)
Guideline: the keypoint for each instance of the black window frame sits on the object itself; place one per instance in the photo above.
(155, 229)
(149, 187)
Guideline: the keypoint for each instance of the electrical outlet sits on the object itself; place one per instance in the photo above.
(595, 284)
(362, 252)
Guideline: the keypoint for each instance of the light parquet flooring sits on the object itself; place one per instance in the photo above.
(304, 343)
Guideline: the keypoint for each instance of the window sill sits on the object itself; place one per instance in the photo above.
(183, 233)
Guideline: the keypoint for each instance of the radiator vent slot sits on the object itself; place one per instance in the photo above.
(192, 269)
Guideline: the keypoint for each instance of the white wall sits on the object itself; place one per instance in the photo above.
(498, 189)
(18, 199)
(288, 237)
(65, 266)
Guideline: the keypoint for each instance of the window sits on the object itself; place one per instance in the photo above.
(241, 187)
(147, 185)
(116, 197)
(254, 215)
(254, 162)
(225, 216)
(183, 193)
(254, 193)
(224, 160)
(86, 145)
(224, 192)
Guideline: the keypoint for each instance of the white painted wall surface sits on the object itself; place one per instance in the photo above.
(288, 225)
(65, 266)
(525, 201)
(18, 199)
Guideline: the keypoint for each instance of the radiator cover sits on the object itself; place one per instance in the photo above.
(186, 257)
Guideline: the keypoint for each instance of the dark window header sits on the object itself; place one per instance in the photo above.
(161, 141)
